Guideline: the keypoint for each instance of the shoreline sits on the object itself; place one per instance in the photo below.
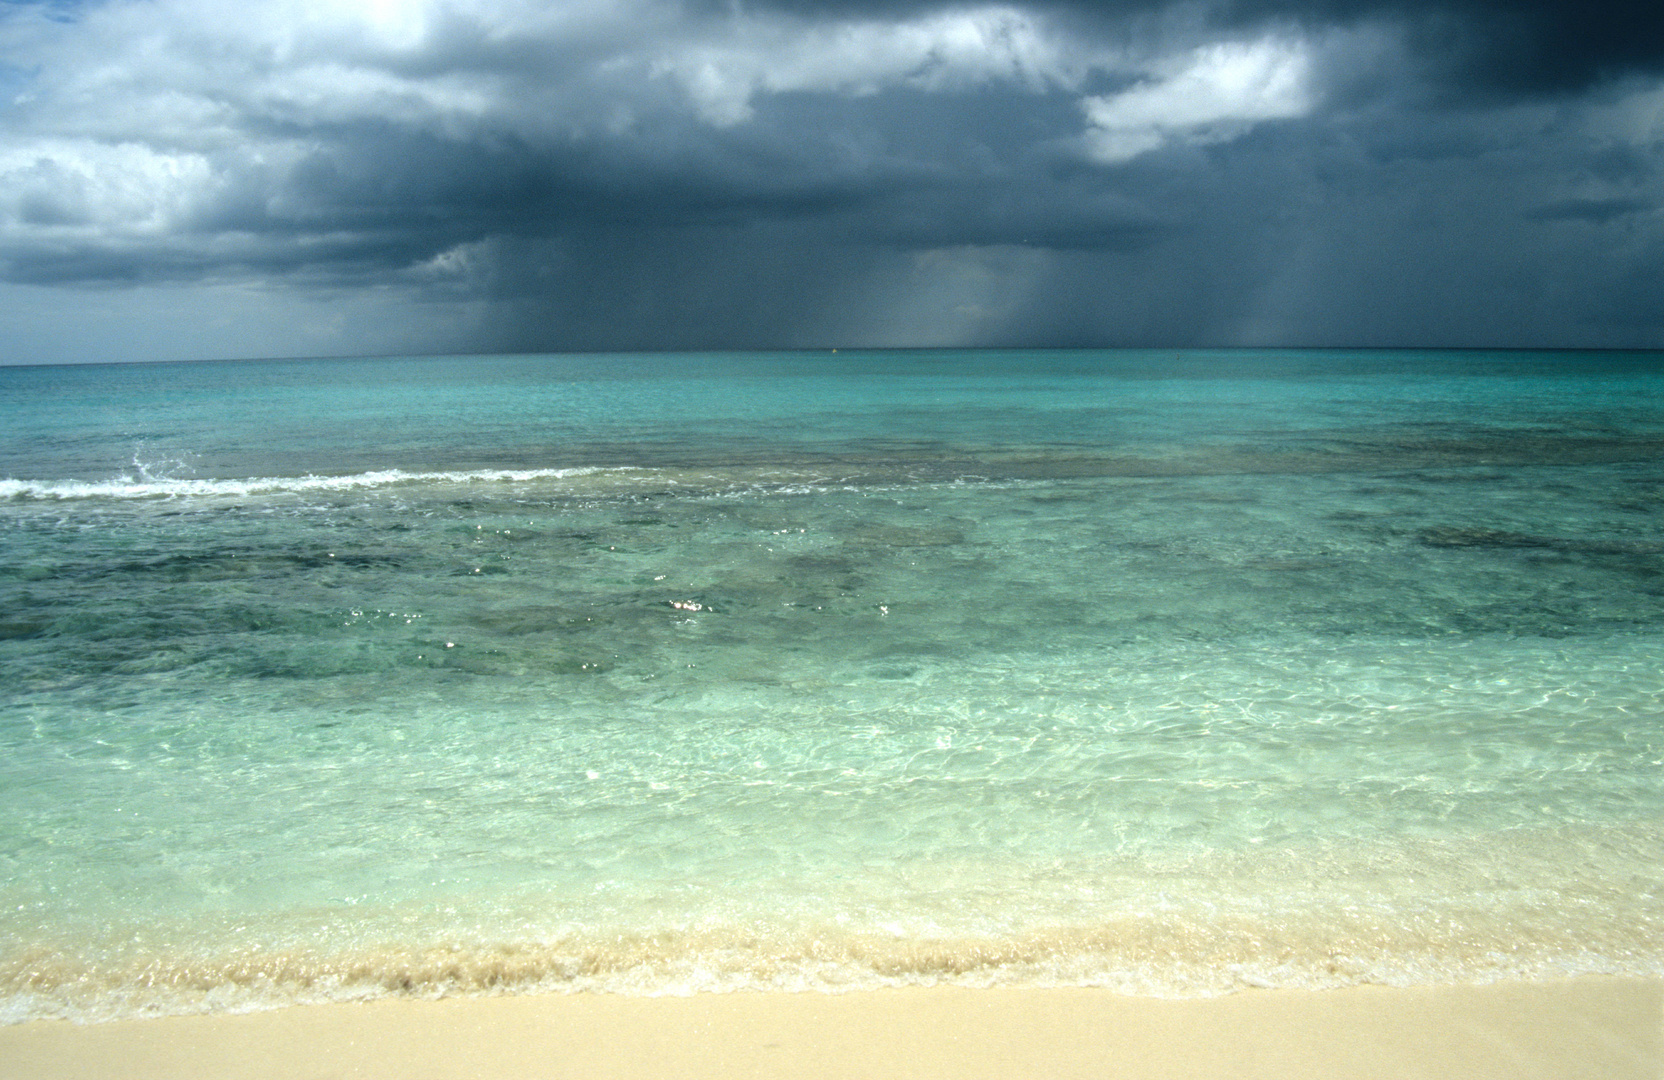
(1604, 1027)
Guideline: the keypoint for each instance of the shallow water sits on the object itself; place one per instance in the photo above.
(656, 674)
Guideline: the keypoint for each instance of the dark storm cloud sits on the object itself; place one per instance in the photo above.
(1595, 211)
(1520, 46)
(644, 173)
(1513, 46)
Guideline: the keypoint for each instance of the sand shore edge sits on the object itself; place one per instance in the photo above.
(1595, 1027)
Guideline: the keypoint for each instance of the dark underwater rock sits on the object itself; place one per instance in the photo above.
(1452, 536)
(1455, 537)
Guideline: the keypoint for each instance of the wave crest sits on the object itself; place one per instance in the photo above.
(1167, 955)
(154, 487)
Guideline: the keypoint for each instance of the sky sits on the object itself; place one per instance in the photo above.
(188, 179)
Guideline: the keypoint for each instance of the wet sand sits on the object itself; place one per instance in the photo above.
(1605, 1028)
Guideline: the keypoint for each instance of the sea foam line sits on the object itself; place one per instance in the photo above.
(1137, 956)
(128, 488)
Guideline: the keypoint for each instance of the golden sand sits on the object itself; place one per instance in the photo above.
(1599, 1028)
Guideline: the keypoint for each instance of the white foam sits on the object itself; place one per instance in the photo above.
(1174, 954)
(147, 487)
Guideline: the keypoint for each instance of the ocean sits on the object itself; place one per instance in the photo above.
(1172, 673)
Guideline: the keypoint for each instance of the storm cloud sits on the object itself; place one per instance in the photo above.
(287, 177)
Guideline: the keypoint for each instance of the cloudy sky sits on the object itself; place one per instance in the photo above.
(198, 178)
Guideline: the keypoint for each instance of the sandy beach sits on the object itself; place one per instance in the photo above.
(1605, 1028)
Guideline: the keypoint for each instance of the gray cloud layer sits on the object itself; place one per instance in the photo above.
(510, 174)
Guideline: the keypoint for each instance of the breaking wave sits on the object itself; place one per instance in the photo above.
(162, 487)
(1166, 957)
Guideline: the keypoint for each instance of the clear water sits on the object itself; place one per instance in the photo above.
(655, 674)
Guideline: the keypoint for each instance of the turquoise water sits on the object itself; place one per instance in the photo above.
(656, 674)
